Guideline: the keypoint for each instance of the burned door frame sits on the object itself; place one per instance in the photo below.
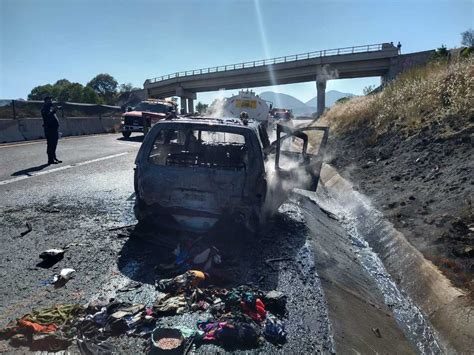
(313, 163)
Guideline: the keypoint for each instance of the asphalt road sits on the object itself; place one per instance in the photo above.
(334, 304)
(76, 203)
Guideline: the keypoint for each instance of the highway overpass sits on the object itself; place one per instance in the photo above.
(320, 66)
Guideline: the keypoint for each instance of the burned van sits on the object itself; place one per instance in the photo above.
(196, 174)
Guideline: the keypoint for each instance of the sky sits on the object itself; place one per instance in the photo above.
(42, 41)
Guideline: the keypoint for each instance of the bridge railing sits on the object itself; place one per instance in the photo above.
(273, 61)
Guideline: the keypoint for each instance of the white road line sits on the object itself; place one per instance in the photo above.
(129, 144)
(22, 177)
(38, 141)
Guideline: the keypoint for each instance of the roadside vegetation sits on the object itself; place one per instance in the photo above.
(408, 146)
(102, 89)
(418, 97)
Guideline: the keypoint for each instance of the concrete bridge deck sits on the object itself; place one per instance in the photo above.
(320, 66)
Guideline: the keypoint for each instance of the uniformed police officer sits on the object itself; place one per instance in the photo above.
(51, 125)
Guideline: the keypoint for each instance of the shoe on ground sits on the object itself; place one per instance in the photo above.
(57, 161)
(52, 162)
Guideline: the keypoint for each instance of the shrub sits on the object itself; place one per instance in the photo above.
(416, 98)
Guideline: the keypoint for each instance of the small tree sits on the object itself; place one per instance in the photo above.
(39, 92)
(441, 53)
(128, 87)
(105, 86)
(75, 92)
(89, 96)
(368, 89)
(342, 100)
(468, 38)
(200, 107)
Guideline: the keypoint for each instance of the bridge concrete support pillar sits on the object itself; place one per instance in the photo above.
(190, 106)
(182, 105)
(188, 96)
(321, 96)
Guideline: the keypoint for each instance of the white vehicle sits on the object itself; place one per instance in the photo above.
(247, 101)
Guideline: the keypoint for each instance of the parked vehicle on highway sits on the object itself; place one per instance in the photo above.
(197, 174)
(145, 115)
(281, 114)
(246, 101)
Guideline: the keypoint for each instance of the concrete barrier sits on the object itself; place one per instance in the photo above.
(446, 306)
(32, 128)
(9, 131)
(111, 124)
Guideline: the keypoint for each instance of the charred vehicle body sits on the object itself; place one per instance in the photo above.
(198, 174)
(146, 114)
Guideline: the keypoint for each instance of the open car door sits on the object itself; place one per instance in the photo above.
(299, 156)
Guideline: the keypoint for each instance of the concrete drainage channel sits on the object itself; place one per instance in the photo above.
(431, 314)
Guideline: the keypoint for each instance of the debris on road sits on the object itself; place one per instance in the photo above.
(29, 228)
(275, 302)
(170, 305)
(49, 210)
(55, 254)
(269, 261)
(377, 332)
(167, 339)
(122, 227)
(50, 257)
(63, 277)
(277, 259)
(274, 330)
(74, 245)
(329, 214)
(236, 317)
(191, 278)
(130, 287)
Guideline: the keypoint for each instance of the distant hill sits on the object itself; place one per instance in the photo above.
(331, 97)
(282, 99)
(299, 107)
(5, 102)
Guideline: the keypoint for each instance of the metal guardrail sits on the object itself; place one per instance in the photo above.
(272, 61)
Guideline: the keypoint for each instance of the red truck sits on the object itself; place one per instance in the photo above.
(141, 117)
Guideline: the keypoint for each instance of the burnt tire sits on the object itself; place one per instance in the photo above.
(126, 134)
(139, 209)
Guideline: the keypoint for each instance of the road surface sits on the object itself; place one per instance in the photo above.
(334, 303)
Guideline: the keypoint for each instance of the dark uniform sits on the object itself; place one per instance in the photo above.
(51, 125)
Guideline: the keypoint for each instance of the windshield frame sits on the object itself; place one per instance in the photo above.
(255, 159)
(165, 107)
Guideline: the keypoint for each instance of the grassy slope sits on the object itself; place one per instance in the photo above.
(409, 148)
(417, 98)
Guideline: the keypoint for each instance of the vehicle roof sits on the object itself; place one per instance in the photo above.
(158, 101)
(209, 121)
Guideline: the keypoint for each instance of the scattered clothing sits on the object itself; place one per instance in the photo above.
(170, 305)
(180, 283)
(229, 333)
(275, 302)
(238, 318)
(37, 328)
(254, 308)
(58, 314)
(53, 342)
(274, 330)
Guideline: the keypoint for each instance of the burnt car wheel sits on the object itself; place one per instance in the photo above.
(126, 134)
(139, 209)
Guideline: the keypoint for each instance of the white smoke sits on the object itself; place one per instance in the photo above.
(216, 108)
(325, 73)
(292, 174)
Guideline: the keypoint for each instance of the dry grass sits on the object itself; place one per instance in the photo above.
(417, 98)
(455, 272)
